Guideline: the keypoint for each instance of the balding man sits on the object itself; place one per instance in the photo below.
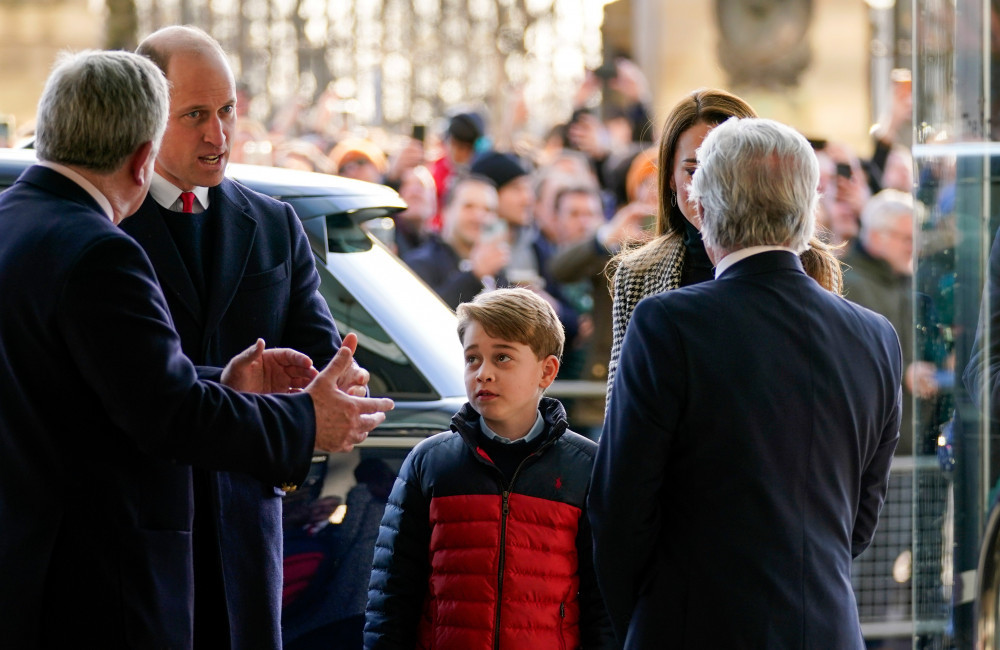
(235, 266)
(101, 413)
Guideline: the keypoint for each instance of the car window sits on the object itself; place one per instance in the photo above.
(330, 528)
(392, 373)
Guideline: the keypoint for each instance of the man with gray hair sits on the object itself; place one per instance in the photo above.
(101, 414)
(746, 451)
(879, 276)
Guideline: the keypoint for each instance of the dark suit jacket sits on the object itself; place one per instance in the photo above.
(100, 415)
(262, 282)
(744, 462)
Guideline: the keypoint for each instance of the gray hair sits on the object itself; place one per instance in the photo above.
(882, 210)
(757, 183)
(98, 108)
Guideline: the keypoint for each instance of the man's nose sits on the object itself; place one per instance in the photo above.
(214, 132)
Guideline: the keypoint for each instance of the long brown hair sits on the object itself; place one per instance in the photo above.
(713, 107)
(705, 106)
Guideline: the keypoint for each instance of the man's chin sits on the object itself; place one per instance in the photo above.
(211, 179)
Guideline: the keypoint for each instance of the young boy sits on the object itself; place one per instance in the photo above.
(484, 542)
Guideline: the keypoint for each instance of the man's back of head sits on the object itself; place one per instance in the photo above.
(98, 108)
(756, 185)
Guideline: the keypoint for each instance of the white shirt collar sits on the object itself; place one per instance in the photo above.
(534, 432)
(744, 253)
(168, 195)
(85, 184)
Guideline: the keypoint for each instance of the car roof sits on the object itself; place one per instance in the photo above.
(338, 194)
(13, 162)
(344, 195)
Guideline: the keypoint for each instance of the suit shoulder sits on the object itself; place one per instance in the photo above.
(872, 318)
(256, 200)
(680, 297)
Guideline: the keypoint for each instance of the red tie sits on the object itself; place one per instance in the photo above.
(187, 199)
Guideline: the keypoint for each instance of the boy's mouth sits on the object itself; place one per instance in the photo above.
(485, 394)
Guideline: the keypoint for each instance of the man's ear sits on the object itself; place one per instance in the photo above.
(140, 166)
(550, 368)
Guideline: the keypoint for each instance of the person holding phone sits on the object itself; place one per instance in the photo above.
(844, 192)
(472, 251)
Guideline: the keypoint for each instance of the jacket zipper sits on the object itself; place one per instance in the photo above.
(504, 512)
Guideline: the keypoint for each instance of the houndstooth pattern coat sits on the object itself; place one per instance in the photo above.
(646, 271)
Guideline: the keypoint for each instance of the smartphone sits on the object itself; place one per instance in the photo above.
(494, 231)
(843, 169)
(418, 133)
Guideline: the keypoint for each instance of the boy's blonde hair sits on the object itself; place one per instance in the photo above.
(517, 315)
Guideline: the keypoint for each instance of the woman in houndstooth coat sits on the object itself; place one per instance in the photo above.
(676, 256)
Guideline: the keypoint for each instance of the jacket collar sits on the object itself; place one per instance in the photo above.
(235, 229)
(765, 262)
(466, 421)
(742, 254)
(53, 182)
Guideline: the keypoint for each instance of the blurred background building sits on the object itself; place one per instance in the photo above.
(821, 65)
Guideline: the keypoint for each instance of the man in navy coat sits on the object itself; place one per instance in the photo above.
(746, 451)
(236, 267)
(101, 413)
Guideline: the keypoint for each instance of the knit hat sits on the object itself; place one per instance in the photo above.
(501, 168)
(353, 148)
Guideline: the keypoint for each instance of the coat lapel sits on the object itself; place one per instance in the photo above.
(235, 230)
(149, 229)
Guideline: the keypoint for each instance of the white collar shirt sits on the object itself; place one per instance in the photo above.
(167, 195)
(744, 253)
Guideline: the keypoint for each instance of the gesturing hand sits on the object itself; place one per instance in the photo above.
(354, 381)
(343, 420)
(278, 370)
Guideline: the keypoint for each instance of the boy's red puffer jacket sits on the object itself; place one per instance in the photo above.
(465, 561)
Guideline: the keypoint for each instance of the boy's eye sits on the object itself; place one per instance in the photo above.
(503, 357)
(470, 360)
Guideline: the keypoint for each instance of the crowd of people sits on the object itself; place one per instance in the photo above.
(662, 263)
(586, 215)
